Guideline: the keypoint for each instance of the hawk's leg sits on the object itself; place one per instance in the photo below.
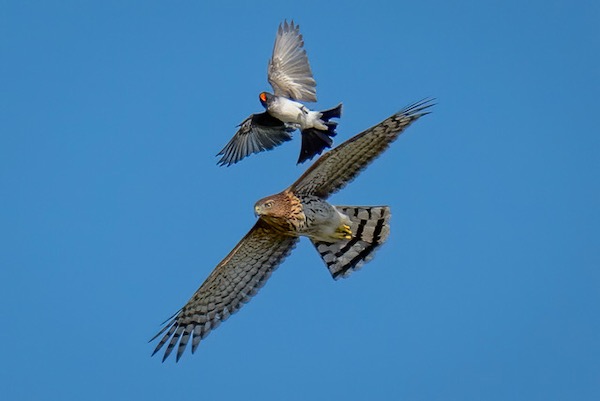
(343, 232)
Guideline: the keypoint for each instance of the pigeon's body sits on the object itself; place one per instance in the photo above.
(290, 76)
(292, 112)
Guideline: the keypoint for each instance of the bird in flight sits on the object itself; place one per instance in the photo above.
(344, 236)
(291, 78)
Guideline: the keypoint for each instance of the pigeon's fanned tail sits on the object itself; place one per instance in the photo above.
(336, 112)
(370, 229)
(314, 140)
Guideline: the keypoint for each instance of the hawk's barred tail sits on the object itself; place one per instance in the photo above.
(370, 228)
(315, 140)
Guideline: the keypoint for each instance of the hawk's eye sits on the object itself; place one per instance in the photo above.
(268, 204)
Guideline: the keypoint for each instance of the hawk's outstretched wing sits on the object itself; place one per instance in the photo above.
(341, 165)
(232, 283)
(256, 133)
(289, 72)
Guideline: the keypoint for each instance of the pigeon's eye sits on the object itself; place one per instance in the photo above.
(263, 96)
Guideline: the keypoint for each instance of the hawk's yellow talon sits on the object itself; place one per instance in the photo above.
(344, 231)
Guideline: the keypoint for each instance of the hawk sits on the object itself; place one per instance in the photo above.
(344, 236)
(292, 80)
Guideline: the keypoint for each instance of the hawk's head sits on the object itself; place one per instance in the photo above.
(277, 206)
(282, 211)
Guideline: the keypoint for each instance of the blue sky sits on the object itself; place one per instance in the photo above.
(114, 210)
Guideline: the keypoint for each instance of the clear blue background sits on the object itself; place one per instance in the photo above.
(113, 210)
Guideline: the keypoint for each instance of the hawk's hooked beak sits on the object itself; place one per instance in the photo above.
(257, 210)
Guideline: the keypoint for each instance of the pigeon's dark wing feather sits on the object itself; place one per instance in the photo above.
(257, 133)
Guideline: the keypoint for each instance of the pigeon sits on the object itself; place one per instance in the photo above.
(291, 78)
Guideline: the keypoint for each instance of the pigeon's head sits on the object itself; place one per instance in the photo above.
(265, 98)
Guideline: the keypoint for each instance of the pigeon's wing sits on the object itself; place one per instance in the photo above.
(341, 165)
(257, 133)
(231, 284)
(289, 72)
